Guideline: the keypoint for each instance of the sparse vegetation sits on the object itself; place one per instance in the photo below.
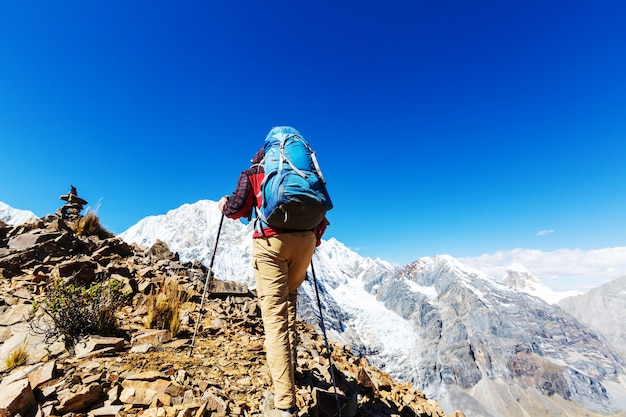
(17, 357)
(79, 311)
(164, 308)
(89, 225)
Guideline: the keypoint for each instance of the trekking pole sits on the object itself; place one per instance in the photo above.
(330, 359)
(206, 284)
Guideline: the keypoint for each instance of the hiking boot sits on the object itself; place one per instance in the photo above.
(279, 412)
(268, 411)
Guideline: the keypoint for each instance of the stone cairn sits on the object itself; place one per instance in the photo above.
(73, 206)
(150, 372)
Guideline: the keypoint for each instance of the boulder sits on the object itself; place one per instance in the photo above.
(80, 399)
(16, 397)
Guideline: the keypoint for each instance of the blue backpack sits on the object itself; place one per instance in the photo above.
(294, 195)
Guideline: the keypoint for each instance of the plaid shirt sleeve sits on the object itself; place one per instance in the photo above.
(241, 202)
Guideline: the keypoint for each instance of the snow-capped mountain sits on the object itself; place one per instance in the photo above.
(489, 349)
(519, 277)
(15, 216)
(191, 230)
(470, 342)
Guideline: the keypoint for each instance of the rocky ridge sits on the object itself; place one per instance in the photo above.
(148, 372)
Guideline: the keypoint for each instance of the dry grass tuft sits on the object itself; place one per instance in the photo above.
(89, 225)
(17, 357)
(164, 308)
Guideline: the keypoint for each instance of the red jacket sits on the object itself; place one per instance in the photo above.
(247, 195)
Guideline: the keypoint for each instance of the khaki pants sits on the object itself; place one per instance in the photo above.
(280, 263)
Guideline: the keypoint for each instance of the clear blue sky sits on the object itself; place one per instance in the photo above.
(451, 127)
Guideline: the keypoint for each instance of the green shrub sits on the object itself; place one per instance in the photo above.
(79, 311)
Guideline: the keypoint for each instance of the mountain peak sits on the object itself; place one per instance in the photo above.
(518, 277)
(517, 267)
(15, 216)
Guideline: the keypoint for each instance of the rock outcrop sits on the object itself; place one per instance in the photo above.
(153, 372)
(599, 308)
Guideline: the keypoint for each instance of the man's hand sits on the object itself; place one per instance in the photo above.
(221, 203)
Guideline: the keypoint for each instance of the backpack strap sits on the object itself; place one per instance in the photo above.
(256, 197)
(284, 157)
(317, 167)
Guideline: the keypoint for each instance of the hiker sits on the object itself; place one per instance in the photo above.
(280, 260)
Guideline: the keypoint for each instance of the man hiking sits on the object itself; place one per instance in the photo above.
(280, 258)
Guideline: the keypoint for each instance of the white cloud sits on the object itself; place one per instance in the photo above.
(544, 232)
(561, 270)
